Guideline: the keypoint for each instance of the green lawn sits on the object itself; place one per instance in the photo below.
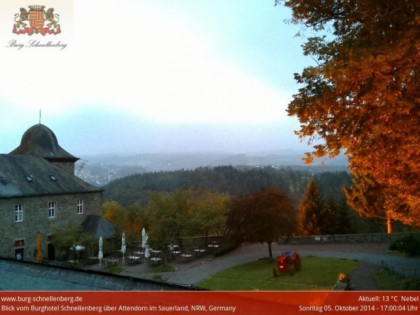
(162, 268)
(115, 269)
(316, 274)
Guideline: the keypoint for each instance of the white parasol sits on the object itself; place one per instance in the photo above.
(144, 238)
(147, 252)
(100, 252)
(123, 246)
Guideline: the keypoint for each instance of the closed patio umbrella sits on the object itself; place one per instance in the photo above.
(123, 246)
(144, 238)
(100, 252)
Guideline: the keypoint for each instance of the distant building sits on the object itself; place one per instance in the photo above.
(39, 193)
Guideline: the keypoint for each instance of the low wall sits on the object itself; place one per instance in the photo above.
(344, 238)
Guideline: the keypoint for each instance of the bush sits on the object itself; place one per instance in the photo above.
(408, 244)
(411, 284)
(386, 281)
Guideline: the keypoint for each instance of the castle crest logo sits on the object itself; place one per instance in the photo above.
(37, 20)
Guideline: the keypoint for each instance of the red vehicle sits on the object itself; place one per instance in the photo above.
(289, 262)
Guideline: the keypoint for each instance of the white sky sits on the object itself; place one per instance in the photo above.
(147, 76)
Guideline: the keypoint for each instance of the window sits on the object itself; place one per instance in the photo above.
(51, 209)
(18, 213)
(79, 206)
(19, 243)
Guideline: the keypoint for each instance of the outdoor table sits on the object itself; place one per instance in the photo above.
(134, 259)
(111, 261)
(155, 260)
(155, 252)
(199, 252)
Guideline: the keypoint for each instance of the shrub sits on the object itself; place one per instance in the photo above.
(408, 244)
(411, 284)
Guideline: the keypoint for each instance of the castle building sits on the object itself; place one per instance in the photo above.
(39, 193)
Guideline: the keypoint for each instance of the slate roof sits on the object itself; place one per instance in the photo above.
(41, 140)
(32, 175)
(25, 276)
(98, 226)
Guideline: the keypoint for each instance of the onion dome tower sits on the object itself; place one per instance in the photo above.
(41, 141)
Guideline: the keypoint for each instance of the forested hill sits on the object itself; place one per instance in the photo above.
(223, 179)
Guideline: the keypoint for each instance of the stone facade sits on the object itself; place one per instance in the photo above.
(19, 239)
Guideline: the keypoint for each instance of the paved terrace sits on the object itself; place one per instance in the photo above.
(371, 255)
(16, 275)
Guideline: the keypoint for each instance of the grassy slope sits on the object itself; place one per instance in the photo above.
(316, 274)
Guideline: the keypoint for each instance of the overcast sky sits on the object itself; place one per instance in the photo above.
(142, 76)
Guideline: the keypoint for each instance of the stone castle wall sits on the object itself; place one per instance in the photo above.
(35, 219)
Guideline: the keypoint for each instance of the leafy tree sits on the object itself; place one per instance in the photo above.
(167, 219)
(72, 235)
(262, 217)
(134, 223)
(328, 218)
(362, 96)
(128, 220)
(208, 212)
(310, 210)
(114, 213)
(345, 217)
(184, 213)
(223, 179)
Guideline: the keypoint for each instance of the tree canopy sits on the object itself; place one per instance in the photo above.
(362, 97)
(310, 208)
(262, 217)
(185, 213)
(235, 181)
(128, 220)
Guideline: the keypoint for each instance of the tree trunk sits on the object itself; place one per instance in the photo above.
(389, 224)
(270, 250)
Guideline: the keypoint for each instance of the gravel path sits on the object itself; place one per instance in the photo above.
(362, 277)
(372, 256)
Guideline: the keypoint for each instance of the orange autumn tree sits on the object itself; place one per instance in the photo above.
(128, 220)
(362, 97)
